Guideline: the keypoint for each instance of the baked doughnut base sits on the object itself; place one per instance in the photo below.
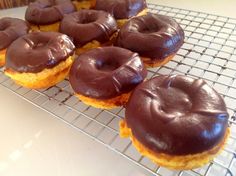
(85, 4)
(149, 63)
(45, 28)
(105, 104)
(121, 22)
(94, 44)
(2, 57)
(43, 79)
(181, 162)
(88, 46)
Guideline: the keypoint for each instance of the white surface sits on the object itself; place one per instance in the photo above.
(34, 143)
(218, 7)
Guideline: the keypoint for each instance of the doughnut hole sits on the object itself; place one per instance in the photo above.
(38, 45)
(86, 19)
(107, 65)
(147, 29)
(182, 102)
(3, 27)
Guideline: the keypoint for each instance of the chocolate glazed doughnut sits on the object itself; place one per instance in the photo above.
(177, 121)
(46, 13)
(39, 59)
(88, 28)
(46, 48)
(103, 77)
(155, 37)
(122, 9)
(10, 30)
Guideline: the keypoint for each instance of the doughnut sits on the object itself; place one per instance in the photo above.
(156, 38)
(84, 4)
(89, 29)
(176, 121)
(45, 15)
(104, 77)
(39, 59)
(10, 30)
(122, 10)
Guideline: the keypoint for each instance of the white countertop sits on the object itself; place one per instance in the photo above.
(218, 7)
(34, 143)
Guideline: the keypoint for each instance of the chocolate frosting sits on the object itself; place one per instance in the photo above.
(11, 29)
(87, 25)
(43, 12)
(153, 36)
(106, 72)
(121, 9)
(177, 115)
(37, 51)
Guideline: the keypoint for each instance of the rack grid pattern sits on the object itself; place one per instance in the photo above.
(209, 52)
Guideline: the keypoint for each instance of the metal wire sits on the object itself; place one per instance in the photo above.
(209, 52)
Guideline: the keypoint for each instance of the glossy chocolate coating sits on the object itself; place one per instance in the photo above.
(106, 72)
(43, 12)
(87, 25)
(152, 36)
(121, 9)
(11, 29)
(37, 51)
(177, 115)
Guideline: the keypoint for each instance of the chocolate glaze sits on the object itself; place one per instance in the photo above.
(107, 72)
(177, 115)
(37, 51)
(121, 9)
(43, 12)
(153, 36)
(87, 25)
(11, 29)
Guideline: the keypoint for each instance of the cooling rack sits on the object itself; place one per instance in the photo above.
(209, 52)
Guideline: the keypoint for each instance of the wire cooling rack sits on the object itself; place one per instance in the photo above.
(209, 52)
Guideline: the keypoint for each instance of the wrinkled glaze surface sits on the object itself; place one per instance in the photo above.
(177, 115)
(43, 12)
(37, 51)
(11, 29)
(87, 25)
(121, 9)
(153, 36)
(106, 72)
